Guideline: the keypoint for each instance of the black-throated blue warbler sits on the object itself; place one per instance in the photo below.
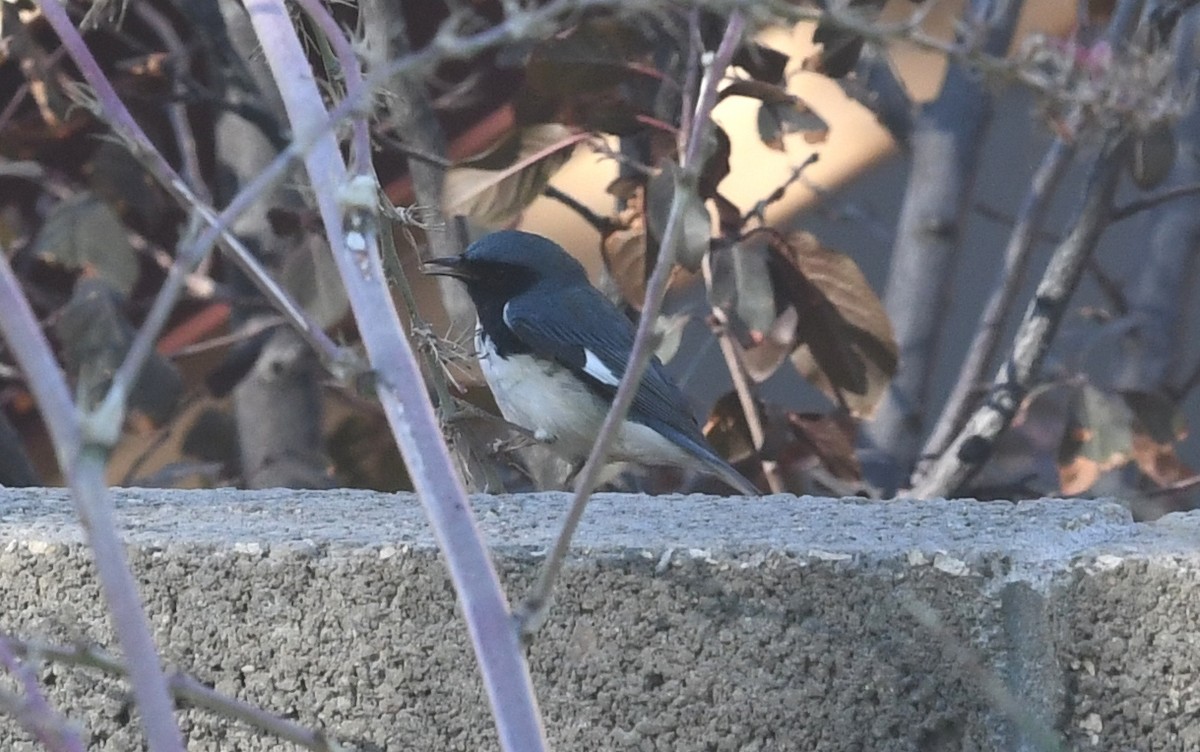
(553, 350)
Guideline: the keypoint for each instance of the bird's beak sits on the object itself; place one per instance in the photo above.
(448, 266)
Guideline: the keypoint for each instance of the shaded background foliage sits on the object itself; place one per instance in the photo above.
(90, 235)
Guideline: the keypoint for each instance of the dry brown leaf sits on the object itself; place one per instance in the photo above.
(1098, 438)
(662, 192)
(846, 345)
(1157, 429)
(827, 439)
(624, 250)
(83, 232)
(495, 196)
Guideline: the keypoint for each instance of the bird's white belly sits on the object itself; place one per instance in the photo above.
(547, 399)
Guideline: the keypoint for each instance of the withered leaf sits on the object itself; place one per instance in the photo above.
(797, 441)
(662, 191)
(727, 431)
(362, 458)
(576, 77)
(742, 287)
(776, 120)
(1157, 428)
(716, 166)
(83, 232)
(95, 336)
(212, 437)
(626, 252)
(496, 195)
(668, 328)
(1098, 438)
(828, 440)
(761, 62)
(729, 216)
(117, 177)
(596, 54)
(1152, 156)
(311, 276)
(846, 345)
(754, 296)
(760, 90)
(771, 347)
(840, 50)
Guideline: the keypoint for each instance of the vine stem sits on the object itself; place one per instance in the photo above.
(348, 205)
(533, 610)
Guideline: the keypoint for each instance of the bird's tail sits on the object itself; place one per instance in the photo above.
(713, 464)
(731, 477)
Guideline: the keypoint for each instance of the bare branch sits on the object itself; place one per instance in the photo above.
(103, 425)
(84, 471)
(176, 111)
(974, 443)
(1166, 277)
(348, 206)
(1017, 253)
(759, 210)
(946, 140)
(1154, 200)
(730, 350)
(533, 610)
(602, 225)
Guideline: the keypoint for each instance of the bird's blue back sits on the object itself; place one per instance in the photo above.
(565, 323)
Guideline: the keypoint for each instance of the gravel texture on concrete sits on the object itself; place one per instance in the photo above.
(682, 623)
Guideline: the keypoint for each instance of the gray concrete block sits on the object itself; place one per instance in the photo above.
(683, 623)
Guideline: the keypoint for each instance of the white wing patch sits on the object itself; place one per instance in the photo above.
(504, 315)
(592, 365)
(597, 370)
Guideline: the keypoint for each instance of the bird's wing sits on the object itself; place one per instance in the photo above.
(579, 328)
(582, 330)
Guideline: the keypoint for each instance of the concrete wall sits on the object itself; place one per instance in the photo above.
(683, 623)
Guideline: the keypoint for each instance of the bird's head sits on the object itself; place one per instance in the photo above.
(508, 263)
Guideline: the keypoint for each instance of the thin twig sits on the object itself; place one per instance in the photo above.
(1186, 484)
(103, 425)
(730, 350)
(946, 144)
(1009, 220)
(249, 330)
(532, 611)
(973, 444)
(185, 140)
(352, 78)
(409, 111)
(184, 687)
(85, 475)
(34, 712)
(1039, 734)
(1153, 200)
(759, 210)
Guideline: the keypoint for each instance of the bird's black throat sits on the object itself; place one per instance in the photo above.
(491, 285)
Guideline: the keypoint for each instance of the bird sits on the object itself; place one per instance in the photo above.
(553, 350)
